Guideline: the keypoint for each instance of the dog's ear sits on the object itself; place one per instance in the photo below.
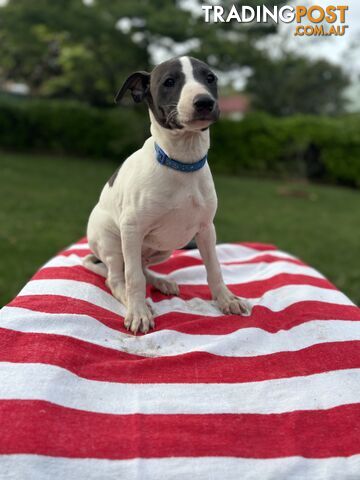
(138, 83)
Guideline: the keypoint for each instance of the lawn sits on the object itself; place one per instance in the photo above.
(45, 202)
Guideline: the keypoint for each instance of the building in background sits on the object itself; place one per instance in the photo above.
(234, 106)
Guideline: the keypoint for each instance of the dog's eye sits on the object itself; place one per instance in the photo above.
(169, 82)
(211, 78)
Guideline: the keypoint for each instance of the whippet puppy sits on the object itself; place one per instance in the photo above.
(163, 195)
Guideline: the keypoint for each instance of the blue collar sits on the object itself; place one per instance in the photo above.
(162, 158)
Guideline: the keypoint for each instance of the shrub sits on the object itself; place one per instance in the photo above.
(70, 127)
(315, 147)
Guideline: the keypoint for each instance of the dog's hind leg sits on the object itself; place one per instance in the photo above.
(91, 262)
(161, 283)
(108, 259)
(111, 262)
(112, 269)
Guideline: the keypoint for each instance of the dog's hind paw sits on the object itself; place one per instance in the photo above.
(139, 318)
(230, 304)
(167, 287)
(162, 283)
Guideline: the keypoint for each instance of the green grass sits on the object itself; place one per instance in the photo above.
(45, 203)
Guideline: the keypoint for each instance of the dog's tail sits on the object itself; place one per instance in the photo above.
(91, 262)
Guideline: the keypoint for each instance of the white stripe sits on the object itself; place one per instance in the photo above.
(78, 246)
(26, 381)
(240, 274)
(230, 252)
(187, 69)
(74, 259)
(38, 467)
(225, 252)
(64, 261)
(282, 297)
(74, 289)
(233, 273)
(276, 300)
(246, 342)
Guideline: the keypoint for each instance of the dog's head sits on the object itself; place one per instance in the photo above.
(181, 93)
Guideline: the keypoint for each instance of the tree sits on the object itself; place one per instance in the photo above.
(294, 84)
(72, 48)
(65, 48)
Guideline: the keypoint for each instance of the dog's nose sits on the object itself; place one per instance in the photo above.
(203, 103)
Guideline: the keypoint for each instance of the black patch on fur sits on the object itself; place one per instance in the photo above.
(113, 177)
(138, 84)
(191, 245)
(162, 99)
(201, 72)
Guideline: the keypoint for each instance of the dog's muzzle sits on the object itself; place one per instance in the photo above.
(205, 108)
(203, 104)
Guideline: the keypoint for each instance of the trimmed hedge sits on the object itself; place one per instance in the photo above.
(71, 127)
(323, 148)
(318, 148)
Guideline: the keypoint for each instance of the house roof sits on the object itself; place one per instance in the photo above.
(234, 103)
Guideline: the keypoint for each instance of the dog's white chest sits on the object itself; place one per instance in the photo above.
(181, 221)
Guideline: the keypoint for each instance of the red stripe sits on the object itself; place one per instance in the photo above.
(261, 317)
(253, 245)
(60, 304)
(76, 272)
(252, 289)
(99, 363)
(178, 262)
(183, 261)
(82, 240)
(175, 263)
(265, 259)
(38, 427)
(79, 252)
(257, 246)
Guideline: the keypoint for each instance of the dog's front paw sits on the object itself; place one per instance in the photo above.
(139, 318)
(231, 304)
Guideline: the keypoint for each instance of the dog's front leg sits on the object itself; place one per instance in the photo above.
(138, 315)
(227, 301)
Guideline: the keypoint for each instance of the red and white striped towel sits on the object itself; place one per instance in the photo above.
(203, 396)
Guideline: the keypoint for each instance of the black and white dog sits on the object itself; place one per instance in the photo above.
(163, 195)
